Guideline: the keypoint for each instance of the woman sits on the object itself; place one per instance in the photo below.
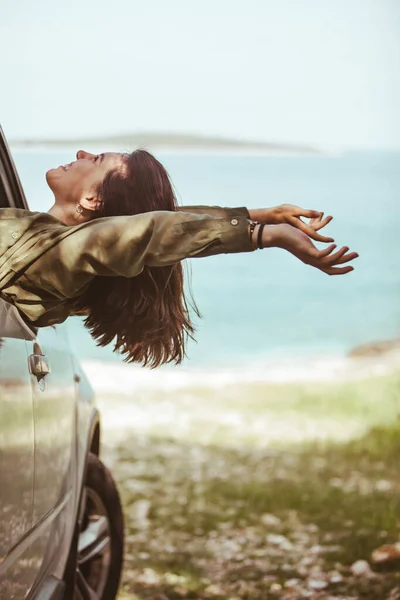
(111, 246)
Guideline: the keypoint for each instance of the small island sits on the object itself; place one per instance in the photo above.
(169, 141)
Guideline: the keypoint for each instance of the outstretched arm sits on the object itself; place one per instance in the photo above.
(284, 213)
(123, 246)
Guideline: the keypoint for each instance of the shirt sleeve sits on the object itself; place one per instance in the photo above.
(123, 246)
(216, 211)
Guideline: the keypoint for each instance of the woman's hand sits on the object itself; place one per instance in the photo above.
(299, 244)
(290, 214)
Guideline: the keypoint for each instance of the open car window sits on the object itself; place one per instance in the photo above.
(11, 323)
(11, 192)
(4, 191)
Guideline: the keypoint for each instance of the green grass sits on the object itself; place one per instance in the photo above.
(335, 488)
(358, 515)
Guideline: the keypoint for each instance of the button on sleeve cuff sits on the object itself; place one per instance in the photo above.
(235, 235)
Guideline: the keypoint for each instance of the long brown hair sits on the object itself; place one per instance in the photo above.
(147, 316)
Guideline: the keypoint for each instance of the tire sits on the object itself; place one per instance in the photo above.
(99, 555)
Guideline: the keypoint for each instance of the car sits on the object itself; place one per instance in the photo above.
(61, 522)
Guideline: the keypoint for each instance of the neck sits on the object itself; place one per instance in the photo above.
(66, 215)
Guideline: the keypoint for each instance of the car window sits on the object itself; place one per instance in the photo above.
(11, 323)
(4, 202)
(11, 192)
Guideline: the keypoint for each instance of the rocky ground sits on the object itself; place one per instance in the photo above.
(222, 502)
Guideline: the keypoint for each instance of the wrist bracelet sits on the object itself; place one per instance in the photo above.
(252, 228)
(259, 236)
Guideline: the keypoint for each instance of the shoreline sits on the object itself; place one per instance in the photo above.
(122, 378)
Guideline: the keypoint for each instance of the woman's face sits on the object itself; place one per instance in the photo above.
(79, 179)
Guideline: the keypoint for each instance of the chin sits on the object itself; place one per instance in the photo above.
(51, 178)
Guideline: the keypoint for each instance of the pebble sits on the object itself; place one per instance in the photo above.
(386, 553)
(361, 568)
(292, 583)
(214, 590)
(138, 512)
(279, 540)
(270, 520)
(149, 577)
(317, 584)
(335, 577)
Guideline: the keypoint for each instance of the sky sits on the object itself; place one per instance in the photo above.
(319, 72)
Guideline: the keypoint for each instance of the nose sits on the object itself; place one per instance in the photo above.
(83, 154)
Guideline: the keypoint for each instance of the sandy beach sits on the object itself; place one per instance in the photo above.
(121, 378)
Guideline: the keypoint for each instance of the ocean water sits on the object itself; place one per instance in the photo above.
(268, 308)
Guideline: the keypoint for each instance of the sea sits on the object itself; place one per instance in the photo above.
(267, 310)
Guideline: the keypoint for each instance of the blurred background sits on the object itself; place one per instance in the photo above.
(265, 465)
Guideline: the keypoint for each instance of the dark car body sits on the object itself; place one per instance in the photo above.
(48, 426)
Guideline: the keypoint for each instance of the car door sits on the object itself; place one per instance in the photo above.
(54, 407)
(17, 569)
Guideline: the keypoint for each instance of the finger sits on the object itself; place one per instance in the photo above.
(316, 220)
(296, 222)
(326, 251)
(309, 214)
(333, 258)
(337, 270)
(340, 257)
(347, 258)
(314, 223)
(320, 224)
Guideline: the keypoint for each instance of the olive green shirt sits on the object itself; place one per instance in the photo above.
(46, 265)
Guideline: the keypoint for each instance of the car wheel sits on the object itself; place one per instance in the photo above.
(101, 536)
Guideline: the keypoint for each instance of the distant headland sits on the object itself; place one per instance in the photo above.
(169, 141)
